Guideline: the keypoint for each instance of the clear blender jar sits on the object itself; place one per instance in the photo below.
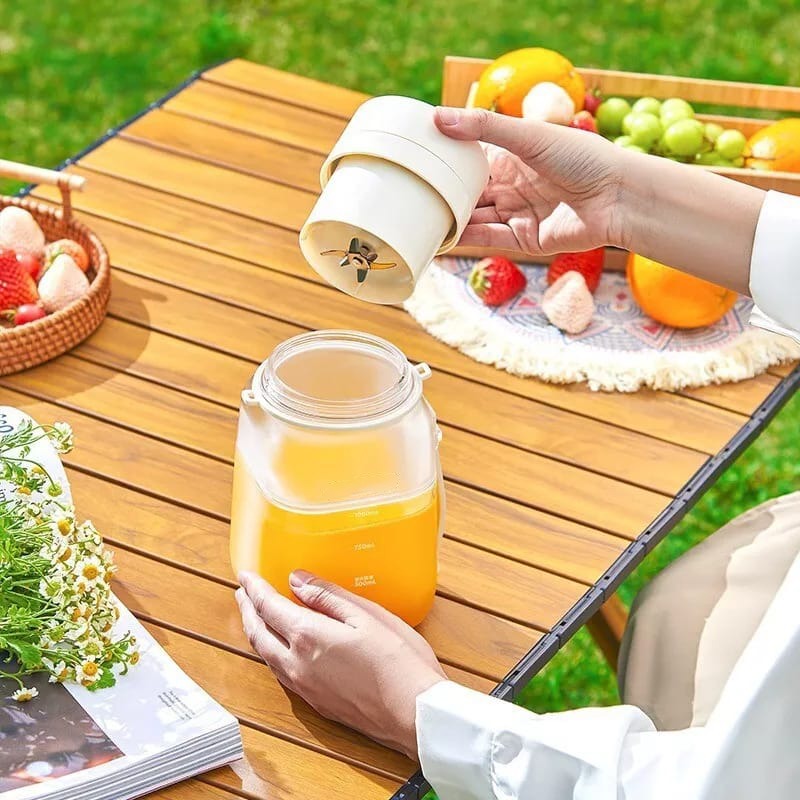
(337, 471)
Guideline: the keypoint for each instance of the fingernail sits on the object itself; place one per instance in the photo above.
(448, 116)
(299, 578)
(239, 594)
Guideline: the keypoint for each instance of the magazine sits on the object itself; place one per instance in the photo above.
(60, 739)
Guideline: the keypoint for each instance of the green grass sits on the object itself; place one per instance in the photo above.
(71, 69)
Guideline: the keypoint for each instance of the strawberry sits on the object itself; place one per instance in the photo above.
(496, 280)
(71, 248)
(62, 284)
(592, 100)
(584, 121)
(17, 287)
(568, 303)
(20, 232)
(31, 264)
(589, 264)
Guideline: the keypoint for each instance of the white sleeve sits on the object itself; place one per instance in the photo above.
(775, 266)
(475, 747)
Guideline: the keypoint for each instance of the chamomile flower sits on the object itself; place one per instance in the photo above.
(61, 436)
(87, 672)
(78, 612)
(62, 603)
(86, 532)
(48, 588)
(77, 631)
(93, 646)
(25, 694)
(59, 671)
(91, 569)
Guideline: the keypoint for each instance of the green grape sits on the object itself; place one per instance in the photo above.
(649, 105)
(730, 144)
(644, 129)
(623, 141)
(610, 114)
(635, 148)
(675, 109)
(684, 138)
(713, 131)
(710, 159)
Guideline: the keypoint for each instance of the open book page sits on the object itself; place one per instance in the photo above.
(67, 734)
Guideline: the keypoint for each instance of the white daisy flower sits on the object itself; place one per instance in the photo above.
(86, 532)
(62, 437)
(93, 646)
(88, 672)
(64, 526)
(91, 569)
(59, 671)
(24, 694)
(77, 632)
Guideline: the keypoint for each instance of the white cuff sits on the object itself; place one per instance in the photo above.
(475, 747)
(455, 741)
(760, 320)
(775, 266)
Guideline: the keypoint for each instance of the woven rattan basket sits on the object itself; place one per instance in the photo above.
(26, 346)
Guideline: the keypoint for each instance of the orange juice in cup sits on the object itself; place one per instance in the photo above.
(337, 471)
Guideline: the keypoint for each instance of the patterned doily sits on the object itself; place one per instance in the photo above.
(622, 350)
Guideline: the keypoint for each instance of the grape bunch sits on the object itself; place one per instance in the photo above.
(669, 129)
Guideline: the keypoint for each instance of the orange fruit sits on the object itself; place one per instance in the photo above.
(776, 147)
(505, 82)
(675, 298)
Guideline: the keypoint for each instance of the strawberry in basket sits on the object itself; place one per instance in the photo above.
(62, 284)
(20, 232)
(17, 287)
(71, 248)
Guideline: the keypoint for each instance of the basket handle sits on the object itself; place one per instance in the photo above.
(64, 181)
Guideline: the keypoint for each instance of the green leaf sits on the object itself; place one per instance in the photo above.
(27, 654)
(107, 680)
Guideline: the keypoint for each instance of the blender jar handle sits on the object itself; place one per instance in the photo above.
(423, 370)
(249, 398)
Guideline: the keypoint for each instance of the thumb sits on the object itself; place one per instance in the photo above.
(524, 138)
(327, 598)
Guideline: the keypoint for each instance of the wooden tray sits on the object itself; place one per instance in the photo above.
(461, 73)
(26, 346)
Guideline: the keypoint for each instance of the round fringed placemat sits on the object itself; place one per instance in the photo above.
(622, 350)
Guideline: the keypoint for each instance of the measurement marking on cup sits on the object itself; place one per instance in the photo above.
(364, 546)
(364, 580)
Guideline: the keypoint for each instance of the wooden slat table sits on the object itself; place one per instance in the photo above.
(554, 493)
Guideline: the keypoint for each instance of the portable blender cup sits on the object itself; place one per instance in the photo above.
(337, 471)
(395, 193)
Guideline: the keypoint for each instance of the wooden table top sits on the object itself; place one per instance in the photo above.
(199, 202)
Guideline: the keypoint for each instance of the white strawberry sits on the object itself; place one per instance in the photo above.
(62, 284)
(20, 232)
(548, 102)
(568, 303)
